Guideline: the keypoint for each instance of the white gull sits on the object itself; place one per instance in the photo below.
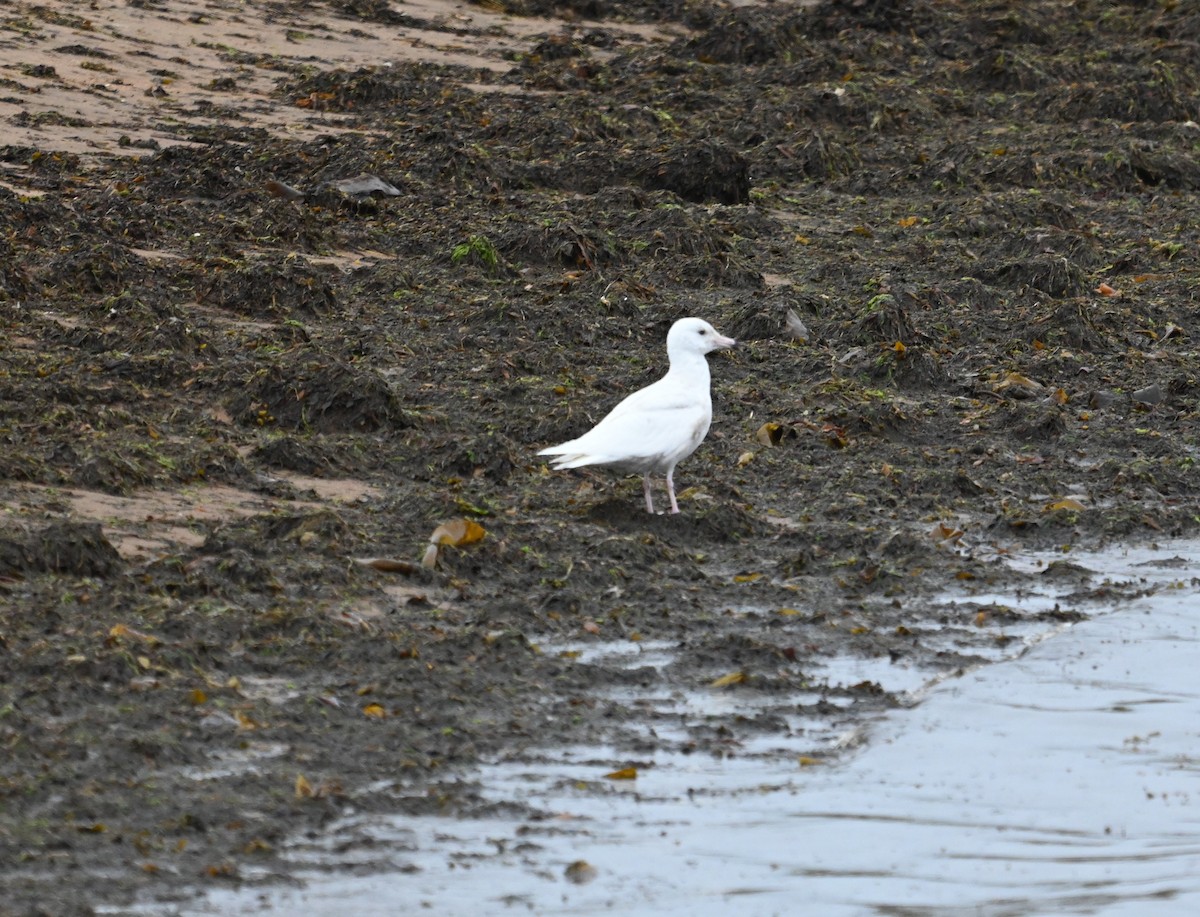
(658, 426)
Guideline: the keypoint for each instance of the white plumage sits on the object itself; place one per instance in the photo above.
(655, 428)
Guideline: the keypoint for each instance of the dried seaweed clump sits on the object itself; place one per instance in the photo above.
(698, 172)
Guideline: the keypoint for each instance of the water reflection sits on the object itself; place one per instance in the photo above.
(1063, 781)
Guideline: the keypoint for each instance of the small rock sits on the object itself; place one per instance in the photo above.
(1150, 395)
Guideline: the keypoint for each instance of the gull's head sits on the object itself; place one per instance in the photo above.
(695, 335)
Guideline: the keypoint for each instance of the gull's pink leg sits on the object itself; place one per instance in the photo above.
(671, 490)
(646, 491)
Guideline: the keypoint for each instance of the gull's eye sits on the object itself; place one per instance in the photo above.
(703, 332)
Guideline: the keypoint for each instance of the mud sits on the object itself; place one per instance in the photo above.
(239, 392)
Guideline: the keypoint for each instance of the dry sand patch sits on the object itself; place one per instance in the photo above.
(126, 79)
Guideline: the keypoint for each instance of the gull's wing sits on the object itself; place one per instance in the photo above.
(652, 428)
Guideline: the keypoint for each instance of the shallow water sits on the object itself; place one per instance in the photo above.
(1065, 780)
